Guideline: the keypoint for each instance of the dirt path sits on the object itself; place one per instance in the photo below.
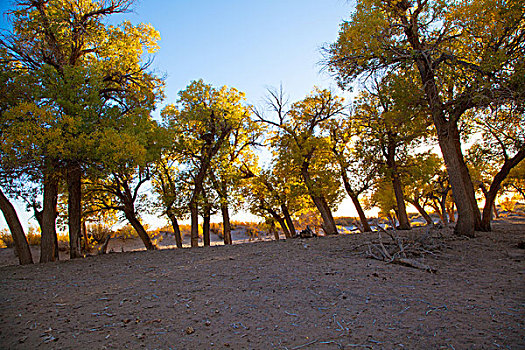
(321, 293)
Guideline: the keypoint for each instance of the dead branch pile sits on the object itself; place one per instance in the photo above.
(407, 251)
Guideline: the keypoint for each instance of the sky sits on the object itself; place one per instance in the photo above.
(249, 45)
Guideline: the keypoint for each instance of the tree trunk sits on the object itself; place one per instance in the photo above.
(74, 187)
(132, 218)
(17, 231)
(422, 211)
(469, 218)
(288, 219)
(176, 228)
(355, 199)
(437, 209)
(329, 226)
(47, 220)
(281, 222)
(451, 213)
(85, 237)
(404, 223)
(273, 230)
(495, 210)
(226, 226)
(206, 218)
(490, 197)
(194, 213)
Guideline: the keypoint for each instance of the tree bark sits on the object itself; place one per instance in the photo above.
(469, 218)
(47, 220)
(194, 214)
(329, 226)
(490, 196)
(132, 218)
(176, 228)
(451, 213)
(226, 226)
(17, 231)
(422, 211)
(355, 199)
(74, 187)
(281, 222)
(288, 219)
(206, 218)
(404, 223)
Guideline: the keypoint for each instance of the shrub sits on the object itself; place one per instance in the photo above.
(33, 236)
(6, 240)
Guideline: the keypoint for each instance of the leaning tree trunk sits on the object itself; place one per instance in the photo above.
(226, 225)
(490, 196)
(355, 199)
(422, 211)
(176, 228)
(281, 222)
(47, 220)
(288, 219)
(17, 231)
(132, 218)
(74, 187)
(206, 218)
(322, 206)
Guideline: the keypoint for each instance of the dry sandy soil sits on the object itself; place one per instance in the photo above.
(319, 293)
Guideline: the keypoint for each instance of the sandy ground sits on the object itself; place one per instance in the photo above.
(319, 293)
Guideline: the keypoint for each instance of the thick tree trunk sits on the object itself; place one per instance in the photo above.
(226, 226)
(329, 225)
(132, 218)
(490, 196)
(422, 211)
(469, 218)
(47, 220)
(288, 219)
(206, 218)
(74, 187)
(322, 206)
(176, 228)
(17, 231)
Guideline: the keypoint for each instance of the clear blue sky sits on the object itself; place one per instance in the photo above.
(250, 45)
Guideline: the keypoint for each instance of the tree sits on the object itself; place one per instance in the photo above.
(88, 71)
(500, 148)
(391, 123)
(118, 187)
(468, 54)
(356, 170)
(225, 173)
(302, 148)
(202, 122)
(173, 188)
(418, 185)
(17, 231)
